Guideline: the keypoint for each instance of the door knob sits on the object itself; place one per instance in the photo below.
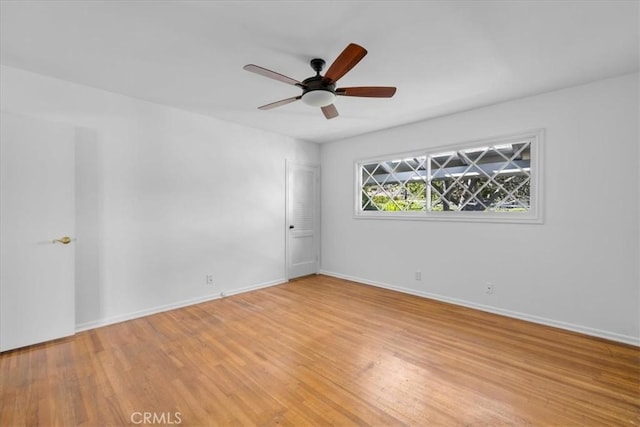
(64, 240)
(291, 227)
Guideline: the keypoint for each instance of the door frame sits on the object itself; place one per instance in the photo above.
(288, 165)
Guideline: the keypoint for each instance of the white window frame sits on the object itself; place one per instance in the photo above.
(534, 215)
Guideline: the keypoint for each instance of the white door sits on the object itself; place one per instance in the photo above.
(37, 206)
(303, 249)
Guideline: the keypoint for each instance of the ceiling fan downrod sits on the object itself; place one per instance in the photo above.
(317, 65)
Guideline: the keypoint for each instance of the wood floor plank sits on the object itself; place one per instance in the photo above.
(323, 351)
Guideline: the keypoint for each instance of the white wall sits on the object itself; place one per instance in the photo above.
(164, 197)
(578, 270)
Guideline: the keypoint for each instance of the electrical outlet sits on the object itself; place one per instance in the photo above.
(488, 288)
(418, 275)
(209, 279)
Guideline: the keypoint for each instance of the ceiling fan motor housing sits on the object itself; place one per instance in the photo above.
(316, 93)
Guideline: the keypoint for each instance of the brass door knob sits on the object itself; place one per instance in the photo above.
(64, 240)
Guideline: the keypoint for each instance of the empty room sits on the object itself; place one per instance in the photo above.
(314, 213)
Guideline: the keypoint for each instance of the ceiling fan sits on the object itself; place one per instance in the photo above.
(320, 91)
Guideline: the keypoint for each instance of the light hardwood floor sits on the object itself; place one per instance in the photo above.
(322, 351)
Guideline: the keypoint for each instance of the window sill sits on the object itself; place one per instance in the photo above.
(512, 218)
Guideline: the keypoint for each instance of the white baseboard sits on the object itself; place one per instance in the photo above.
(255, 287)
(626, 339)
(159, 309)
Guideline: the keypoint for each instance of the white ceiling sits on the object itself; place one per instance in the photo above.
(444, 56)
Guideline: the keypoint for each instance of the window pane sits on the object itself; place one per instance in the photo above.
(394, 185)
(490, 178)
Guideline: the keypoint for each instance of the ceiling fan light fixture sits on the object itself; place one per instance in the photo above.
(318, 98)
(319, 90)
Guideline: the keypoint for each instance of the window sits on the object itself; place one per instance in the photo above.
(492, 180)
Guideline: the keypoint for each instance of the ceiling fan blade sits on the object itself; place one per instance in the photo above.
(330, 111)
(279, 103)
(367, 91)
(348, 59)
(272, 75)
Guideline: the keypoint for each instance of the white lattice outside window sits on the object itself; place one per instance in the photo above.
(492, 180)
